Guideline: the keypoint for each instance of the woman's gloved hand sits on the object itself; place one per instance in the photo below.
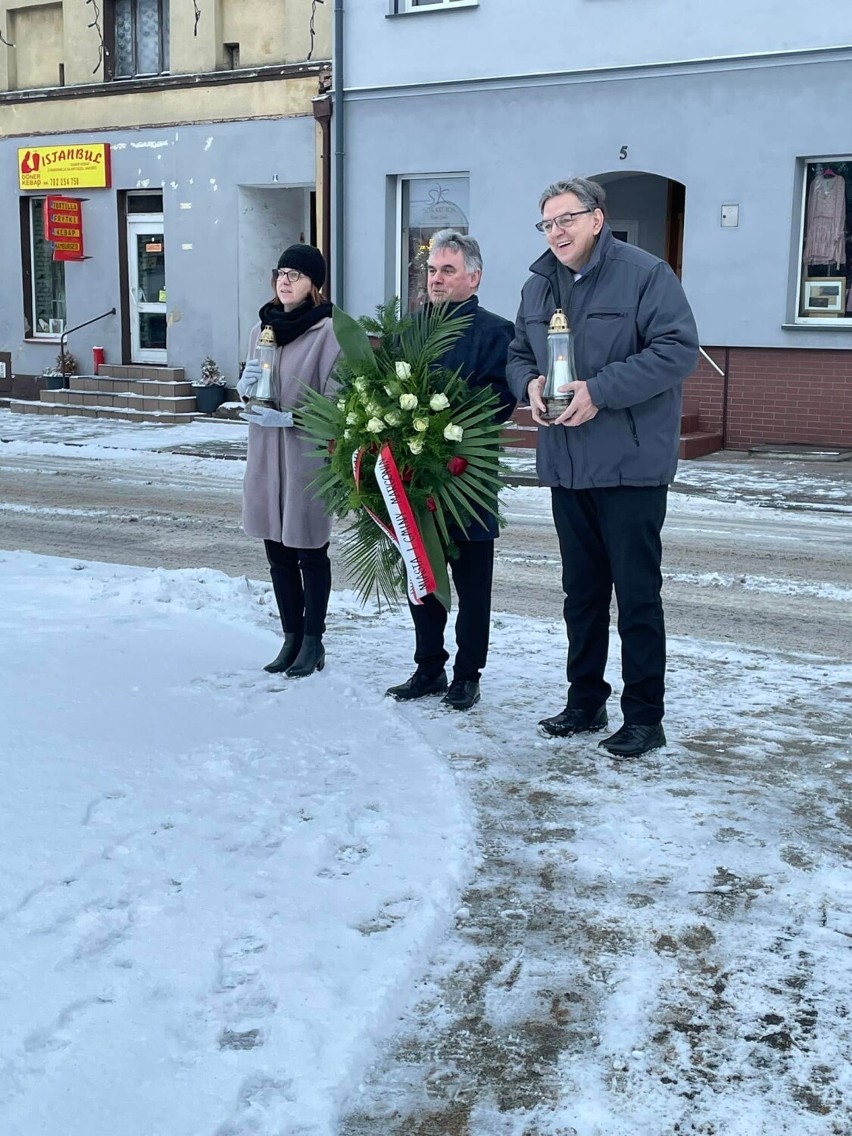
(249, 378)
(266, 416)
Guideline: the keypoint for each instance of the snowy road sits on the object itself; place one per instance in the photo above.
(736, 572)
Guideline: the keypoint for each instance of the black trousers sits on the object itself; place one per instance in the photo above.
(611, 538)
(472, 571)
(301, 580)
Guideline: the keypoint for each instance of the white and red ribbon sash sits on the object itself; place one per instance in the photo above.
(403, 532)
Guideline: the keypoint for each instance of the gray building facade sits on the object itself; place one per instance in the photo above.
(705, 132)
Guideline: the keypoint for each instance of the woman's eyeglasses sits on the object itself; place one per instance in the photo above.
(290, 274)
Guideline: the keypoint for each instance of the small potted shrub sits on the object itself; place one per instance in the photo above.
(210, 388)
(56, 375)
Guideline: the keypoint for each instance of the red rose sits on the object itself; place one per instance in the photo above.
(430, 504)
(331, 445)
(457, 466)
(407, 473)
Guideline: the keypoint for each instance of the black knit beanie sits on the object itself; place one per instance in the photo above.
(306, 259)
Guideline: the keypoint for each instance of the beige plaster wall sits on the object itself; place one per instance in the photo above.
(276, 31)
(270, 99)
(36, 32)
(268, 32)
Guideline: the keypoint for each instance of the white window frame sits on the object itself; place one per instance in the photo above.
(837, 322)
(409, 7)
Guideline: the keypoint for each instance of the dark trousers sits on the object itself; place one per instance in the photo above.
(472, 571)
(611, 538)
(301, 580)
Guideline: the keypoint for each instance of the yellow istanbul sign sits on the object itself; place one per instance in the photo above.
(65, 167)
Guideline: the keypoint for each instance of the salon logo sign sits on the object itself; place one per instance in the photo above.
(85, 166)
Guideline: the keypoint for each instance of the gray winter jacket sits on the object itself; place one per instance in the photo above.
(635, 343)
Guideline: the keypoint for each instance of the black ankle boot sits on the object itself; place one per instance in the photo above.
(310, 658)
(287, 655)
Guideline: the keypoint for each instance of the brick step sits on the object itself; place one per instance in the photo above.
(129, 401)
(141, 372)
(698, 444)
(689, 423)
(168, 417)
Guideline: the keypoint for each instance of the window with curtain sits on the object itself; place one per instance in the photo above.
(140, 38)
(825, 285)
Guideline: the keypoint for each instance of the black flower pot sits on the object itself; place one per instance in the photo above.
(209, 399)
(54, 382)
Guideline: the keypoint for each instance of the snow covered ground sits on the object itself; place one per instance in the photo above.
(237, 905)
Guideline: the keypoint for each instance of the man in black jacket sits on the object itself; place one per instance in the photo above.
(610, 456)
(454, 272)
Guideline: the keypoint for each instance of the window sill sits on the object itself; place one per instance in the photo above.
(42, 338)
(422, 10)
(819, 325)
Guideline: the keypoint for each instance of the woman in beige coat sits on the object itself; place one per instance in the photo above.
(278, 504)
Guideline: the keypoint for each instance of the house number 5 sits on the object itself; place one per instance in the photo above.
(622, 153)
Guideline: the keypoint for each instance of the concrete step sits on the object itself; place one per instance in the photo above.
(98, 384)
(142, 372)
(112, 413)
(124, 401)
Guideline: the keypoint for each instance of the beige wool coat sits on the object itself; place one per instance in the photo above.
(277, 503)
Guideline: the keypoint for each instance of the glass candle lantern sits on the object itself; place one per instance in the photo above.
(560, 366)
(265, 355)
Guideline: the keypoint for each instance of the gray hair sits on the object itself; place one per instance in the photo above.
(590, 194)
(458, 242)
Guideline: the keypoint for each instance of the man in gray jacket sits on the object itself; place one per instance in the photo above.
(610, 456)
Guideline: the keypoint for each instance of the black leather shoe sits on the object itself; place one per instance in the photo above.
(287, 655)
(573, 721)
(463, 694)
(633, 741)
(420, 685)
(311, 657)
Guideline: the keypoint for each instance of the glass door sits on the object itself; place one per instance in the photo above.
(146, 258)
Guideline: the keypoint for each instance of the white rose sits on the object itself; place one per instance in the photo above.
(453, 433)
(373, 409)
(347, 434)
(408, 401)
(403, 370)
(341, 404)
(393, 418)
(360, 384)
(439, 402)
(351, 418)
(415, 445)
(389, 391)
(421, 425)
(375, 425)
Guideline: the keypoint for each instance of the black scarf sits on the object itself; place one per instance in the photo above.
(290, 325)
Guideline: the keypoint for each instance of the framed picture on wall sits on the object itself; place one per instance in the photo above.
(824, 295)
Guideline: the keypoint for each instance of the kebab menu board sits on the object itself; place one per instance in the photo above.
(63, 226)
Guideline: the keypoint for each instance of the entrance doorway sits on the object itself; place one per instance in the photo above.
(648, 211)
(143, 277)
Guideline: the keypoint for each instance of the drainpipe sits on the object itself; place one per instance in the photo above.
(337, 124)
(322, 115)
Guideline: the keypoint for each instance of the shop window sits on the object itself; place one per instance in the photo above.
(44, 278)
(138, 34)
(400, 6)
(426, 205)
(825, 291)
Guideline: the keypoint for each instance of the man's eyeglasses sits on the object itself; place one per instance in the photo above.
(291, 274)
(564, 221)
